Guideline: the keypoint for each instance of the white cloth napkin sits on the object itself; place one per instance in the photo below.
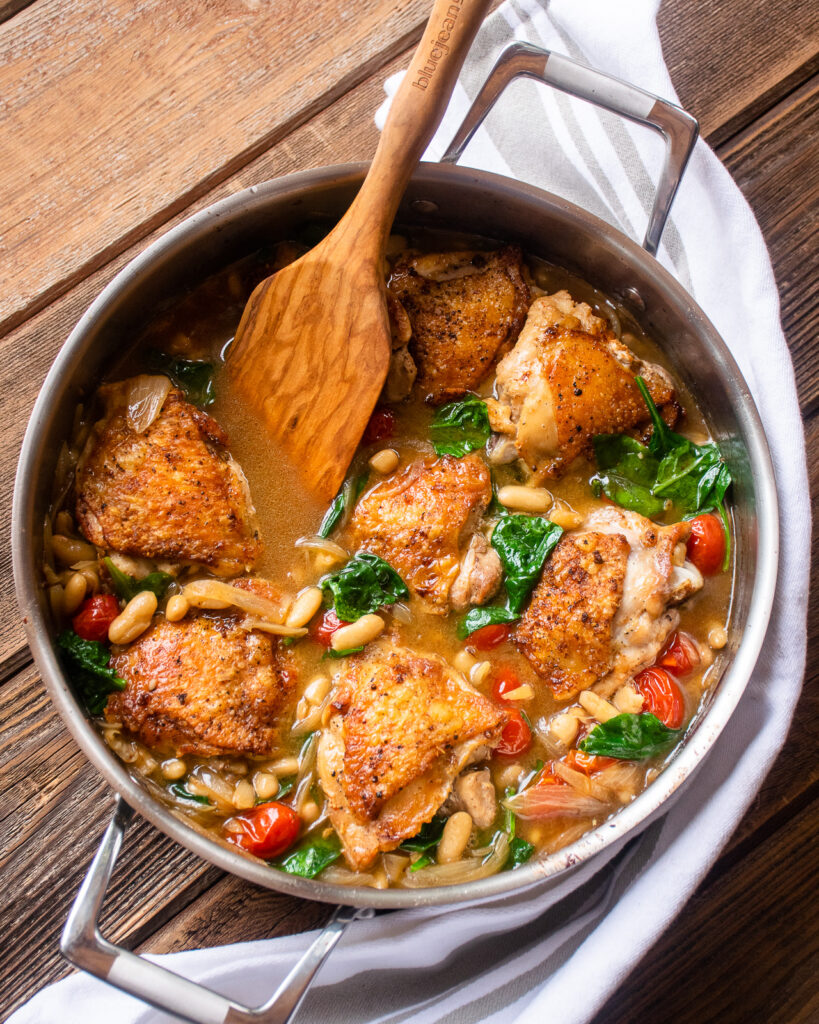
(558, 955)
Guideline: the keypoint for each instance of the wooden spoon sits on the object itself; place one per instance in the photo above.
(312, 350)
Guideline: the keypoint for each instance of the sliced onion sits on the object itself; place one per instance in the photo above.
(201, 594)
(554, 802)
(145, 399)
(577, 780)
(468, 870)
(272, 627)
(401, 612)
(317, 543)
(343, 876)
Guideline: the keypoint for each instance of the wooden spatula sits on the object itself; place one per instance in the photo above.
(313, 346)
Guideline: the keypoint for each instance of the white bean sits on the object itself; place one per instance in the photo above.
(367, 628)
(310, 812)
(564, 727)
(177, 608)
(717, 638)
(385, 461)
(284, 766)
(479, 672)
(464, 662)
(454, 838)
(134, 618)
(565, 518)
(305, 606)
(266, 785)
(75, 590)
(174, 768)
(244, 795)
(317, 690)
(527, 499)
(68, 550)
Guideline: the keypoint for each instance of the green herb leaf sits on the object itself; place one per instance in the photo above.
(179, 789)
(86, 662)
(193, 376)
(310, 857)
(335, 655)
(422, 862)
(363, 585)
(286, 784)
(128, 586)
(523, 543)
(343, 503)
(477, 618)
(519, 852)
(629, 737)
(429, 836)
(460, 427)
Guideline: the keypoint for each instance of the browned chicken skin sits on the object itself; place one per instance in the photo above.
(418, 520)
(205, 685)
(403, 726)
(171, 493)
(601, 611)
(567, 379)
(466, 309)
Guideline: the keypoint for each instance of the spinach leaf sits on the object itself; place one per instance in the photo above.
(193, 376)
(477, 618)
(629, 737)
(363, 585)
(519, 852)
(180, 790)
(128, 586)
(626, 473)
(422, 862)
(343, 503)
(429, 836)
(460, 427)
(310, 857)
(523, 543)
(286, 784)
(86, 662)
(330, 653)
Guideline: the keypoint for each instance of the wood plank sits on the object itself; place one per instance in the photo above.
(776, 164)
(730, 62)
(55, 808)
(8, 8)
(192, 92)
(744, 948)
(343, 133)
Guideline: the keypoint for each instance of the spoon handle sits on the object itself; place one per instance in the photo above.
(416, 110)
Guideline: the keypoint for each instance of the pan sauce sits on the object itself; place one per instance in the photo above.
(199, 327)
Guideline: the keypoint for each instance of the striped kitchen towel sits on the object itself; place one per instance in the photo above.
(558, 955)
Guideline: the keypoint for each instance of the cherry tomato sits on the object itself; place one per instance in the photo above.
(548, 777)
(266, 830)
(706, 545)
(322, 629)
(516, 736)
(95, 616)
(588, 763)
(680, 654)
(506, 680)
(381, 425)
(487, 637)
(663, 697)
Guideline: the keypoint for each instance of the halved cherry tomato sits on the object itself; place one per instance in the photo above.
(588, 763)
(95, 616)
(548, 777)
(706, 545)
(381, 425)
(266, 830)
(663, 697)
(516, 736)
(680, 654)
(322, 629)
(506, 680)
(487, 637)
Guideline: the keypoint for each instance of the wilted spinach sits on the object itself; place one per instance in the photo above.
(363, 585)
(87, 664)
(193, 376)
(460, 427)
(128, 586)
(630, 737)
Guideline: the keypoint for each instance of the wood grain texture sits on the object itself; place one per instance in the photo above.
(128, 111)
(776, 164)
(731, 62)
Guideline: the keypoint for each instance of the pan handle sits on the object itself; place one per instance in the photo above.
(678, 128)
(86, 948)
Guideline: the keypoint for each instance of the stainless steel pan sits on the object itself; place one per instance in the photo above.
(440, 196)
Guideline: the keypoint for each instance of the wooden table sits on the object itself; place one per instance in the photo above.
(121, 118)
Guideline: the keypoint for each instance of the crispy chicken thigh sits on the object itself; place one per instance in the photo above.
(419, 518)
(466, 309)
(567, 379)
(402, 728)
(171, 492)
(601, 611)
(205, 685)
